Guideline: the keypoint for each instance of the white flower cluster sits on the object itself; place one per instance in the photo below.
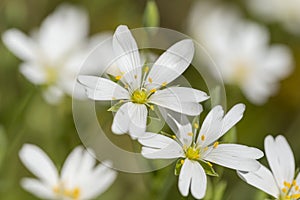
(241, 50)
(52, 59)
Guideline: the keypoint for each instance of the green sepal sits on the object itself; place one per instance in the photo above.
(178, 167)
(209, 170)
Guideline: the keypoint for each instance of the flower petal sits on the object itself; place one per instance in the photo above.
(198, 184)
(280, 158)
(171, 64)
(21, 45)
(233, 116)
(138, 119)
(71, 165)
(39, 164)
(185, 177)
(211, 127)
(37, 188)
(63, 31)
(53, 95)
(156, 146)
(235, 157)
(186, 94)
(121, 120)
(33, 72)
(184, 133)
(99, 181)
(98, 88)
(168, 99)
(128, 56)
(262, 179)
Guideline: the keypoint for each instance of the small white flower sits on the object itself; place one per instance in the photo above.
(80, 179)
(195, 147)
(140, 87)
(241, 51)
(282, 182)
(53, 55)
(285, 12)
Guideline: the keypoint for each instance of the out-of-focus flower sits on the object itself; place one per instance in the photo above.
(285, 12)
(53, 55)
(282, 182)
(139, 86)
(198, 148)
(241, 50)
(80, 179)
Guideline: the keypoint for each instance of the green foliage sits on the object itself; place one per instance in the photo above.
(3, 144)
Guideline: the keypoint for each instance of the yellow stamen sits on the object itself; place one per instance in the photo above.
(284, 190)
(151, 107)
(296, 187)
(126, 86)
(190, 134)
(287, 184)
(206, 148)
(209, 164)
(295, 196)
(294, 183)
(118, 77)
(196, 125)
(174, 136)
(193, 153)
(164, 84)
(150, 80)
(216, 144)
(182, 161)
(202, 137)
(153, 90)
(139, 96)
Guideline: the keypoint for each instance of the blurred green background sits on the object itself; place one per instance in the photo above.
(26, 118)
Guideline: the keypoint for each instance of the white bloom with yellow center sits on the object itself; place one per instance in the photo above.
(194, 147)
(241, 50)
(80, 179)
(54, 54)
(140, 87)
(282, 183)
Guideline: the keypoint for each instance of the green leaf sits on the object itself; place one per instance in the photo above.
(116, 107)
(151, 15)
(230, 136)
(178, 166)
(209, 170)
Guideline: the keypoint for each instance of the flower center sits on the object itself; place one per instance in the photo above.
(139, 96)
(192, 153)
(72, 194)
(290, 191)
(51, 75)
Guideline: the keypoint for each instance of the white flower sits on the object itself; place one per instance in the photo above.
(53, 55)
(140, 87)
(285, 12)
(195, 147)
(80, 179)
(282, 182)
(241, 51)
